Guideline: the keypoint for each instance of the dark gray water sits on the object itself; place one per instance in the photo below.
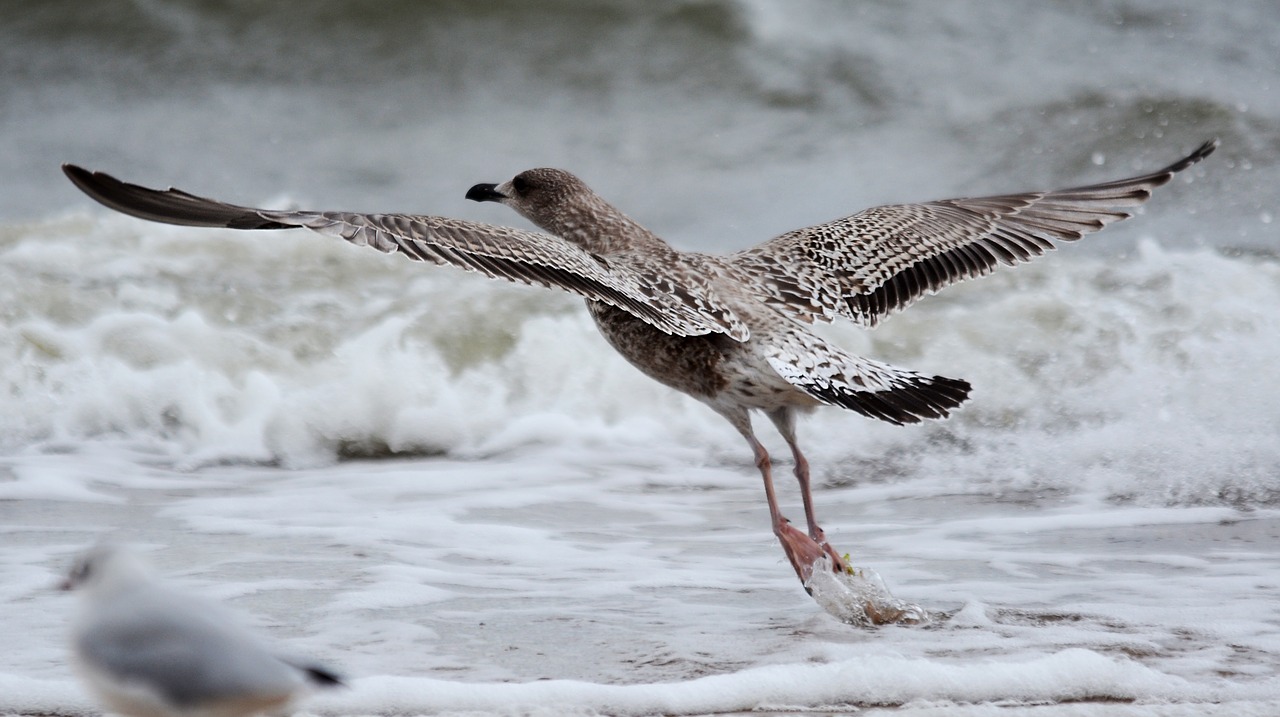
(719, 123)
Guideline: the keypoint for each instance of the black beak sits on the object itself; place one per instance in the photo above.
(485, 193)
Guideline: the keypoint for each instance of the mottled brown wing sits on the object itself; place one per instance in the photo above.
(883, 259)
(499, 252)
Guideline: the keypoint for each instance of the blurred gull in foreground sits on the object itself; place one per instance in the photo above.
(146, 650)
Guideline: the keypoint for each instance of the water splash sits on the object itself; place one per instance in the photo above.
(859, 597)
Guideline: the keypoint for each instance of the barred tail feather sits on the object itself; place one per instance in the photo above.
(924, 397)
(874, 389)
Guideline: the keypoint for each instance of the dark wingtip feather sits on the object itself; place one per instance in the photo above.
(314, 672)
(323, 677)
(1204, 150)
(1162, 177)
(169, 206)
(1201, 153)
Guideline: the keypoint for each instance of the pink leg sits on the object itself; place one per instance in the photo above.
(784, 419)
(801, 550)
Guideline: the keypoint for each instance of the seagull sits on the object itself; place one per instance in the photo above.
(150, 651)
(732, 331)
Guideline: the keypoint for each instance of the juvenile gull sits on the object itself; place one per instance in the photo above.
(728, 330)
(149, 651)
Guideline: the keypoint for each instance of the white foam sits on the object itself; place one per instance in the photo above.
(1145, 375)
(854, 684)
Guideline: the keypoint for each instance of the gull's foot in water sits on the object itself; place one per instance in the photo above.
(807, 555)
(854, 596)
(859, 597)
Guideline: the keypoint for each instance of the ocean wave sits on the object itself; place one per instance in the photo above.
(1145, 377)
(703, 117)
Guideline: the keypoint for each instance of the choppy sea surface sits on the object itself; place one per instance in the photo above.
(452, 489)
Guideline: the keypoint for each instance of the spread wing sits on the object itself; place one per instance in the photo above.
(498, 252)
(883, 259)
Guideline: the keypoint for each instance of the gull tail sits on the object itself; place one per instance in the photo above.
(874, 389)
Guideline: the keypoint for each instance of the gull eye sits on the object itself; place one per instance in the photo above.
(520, 184)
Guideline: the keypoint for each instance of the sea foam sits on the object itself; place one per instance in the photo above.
(1145, 375)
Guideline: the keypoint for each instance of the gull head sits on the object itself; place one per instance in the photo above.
(102, 568)
(553, 199)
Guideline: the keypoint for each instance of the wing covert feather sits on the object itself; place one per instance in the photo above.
(881, 260)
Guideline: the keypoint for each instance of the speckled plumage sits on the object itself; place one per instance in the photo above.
(728, 330)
